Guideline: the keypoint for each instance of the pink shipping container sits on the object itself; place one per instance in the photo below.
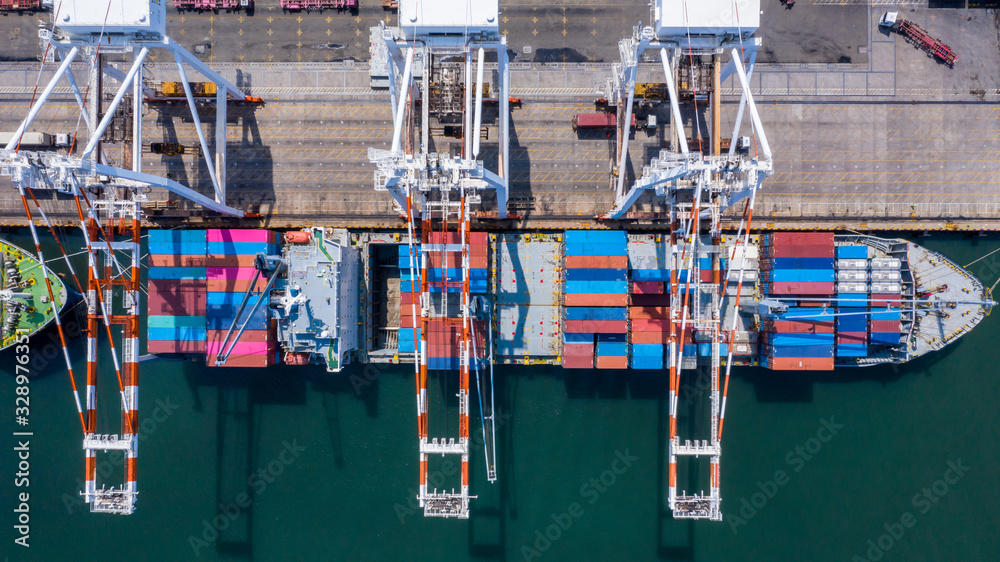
(852, 337)
(801, 288)
(802, 238)
(800, 327)
(230, 272)
(651, 337)
(241, 235)
(647, 288)
(801, 364)
(885, 326)
(651, 325)
(881, 301)
(801, 251)
(578, 356)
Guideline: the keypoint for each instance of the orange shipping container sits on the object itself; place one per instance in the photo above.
(596, 262)
(640, 312)
(612, 362)
(596, 299)
(801, 364)
(235, 285)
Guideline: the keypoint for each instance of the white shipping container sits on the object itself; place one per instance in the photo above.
(885, 263)
(852, 264)
(885, 275)
(857, 275)
(852, 288)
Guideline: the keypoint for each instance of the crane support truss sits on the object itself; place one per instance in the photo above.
(730, 176)
(406, 166)
(697, 188)
(110, 216)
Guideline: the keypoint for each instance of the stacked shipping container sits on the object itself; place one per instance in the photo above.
(852, 304)
(798, 264)
(197, 280)
(595, 325)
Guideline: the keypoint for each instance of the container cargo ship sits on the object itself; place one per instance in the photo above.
(26, 306)
(584, 299)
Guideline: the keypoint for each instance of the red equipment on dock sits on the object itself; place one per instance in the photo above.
(916, 35)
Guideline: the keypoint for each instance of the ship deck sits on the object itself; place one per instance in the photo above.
(38, 313)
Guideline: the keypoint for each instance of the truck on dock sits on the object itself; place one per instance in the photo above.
(601, 120)
(916, 35)
(214, 5)
(35, 139)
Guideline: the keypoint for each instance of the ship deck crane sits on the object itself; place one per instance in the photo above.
(436, 194)
(109, 203)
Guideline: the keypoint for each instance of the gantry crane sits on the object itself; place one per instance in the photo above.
(108, 200)
(696, 188)
(439, 191)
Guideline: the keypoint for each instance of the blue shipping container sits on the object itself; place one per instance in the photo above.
(177, 248)
(803, 263)
(593, 274)
(177, 334)
(690, 350)
(886, 314)
(596, 249)
(591, 287)
(851, 252)
(646, 362)
(612, 338)
(803, 351)
(609, 349)
(802, 275)
(241, 248)
(578, 338)
(596, 237)
(852, 350)
(231, 299)
(648, 350)
(178, 236)
(176, 273)
(884, 338)
(586, 313)
(794, 340)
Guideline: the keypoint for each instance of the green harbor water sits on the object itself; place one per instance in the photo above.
(814, 465)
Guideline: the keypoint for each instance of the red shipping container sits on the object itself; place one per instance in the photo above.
(186, 303)
(154, 346)
(175, 260)
(596, 262)
(236, 285)
(801, 327)
(577, 362)
(706, 275)
(651, 337)
(884, 326)
(852, 337)
(596, 299)
(406, 299)
(801, 364)
(651, 325)
(255, 336)
(636, 312)
(802, 238)
(814, 304)
(229, 260)
(247, 273)
(612, 363)
(801, 251)
(647, 288)
(478, 238)
(819, 288)
(651, 300)
(595, 327)
(170, 286)
(885, 300)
